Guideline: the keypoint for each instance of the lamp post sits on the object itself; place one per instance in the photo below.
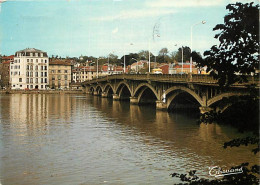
(97, 65)
(202, 22)
(124, 55)
(181, 58)
(149, 61)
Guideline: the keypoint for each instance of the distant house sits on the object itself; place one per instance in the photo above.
(185, 68)
(60, 74)
(5, 74)
(7, 58)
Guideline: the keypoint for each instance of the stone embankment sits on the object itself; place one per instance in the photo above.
(41, 92)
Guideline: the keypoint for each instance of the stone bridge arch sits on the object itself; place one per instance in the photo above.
(141, 88)
(107, 86)
(99, 90)
(120, 86)
(176, 90)
(219, 97)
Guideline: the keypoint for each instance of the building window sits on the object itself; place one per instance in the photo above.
(65, 77)
(27, 80)
(41, 74)
(28, 60)
(36, 80)
(36, 67)
(36, 74)
(59, 77)
(31, 74)
(31, 54)
(53, 78)
(45, 80)
(45, 61)
(45, 67)
(41, 54)
(42, 86)
(20, 80)
(36, 54)
(59, 71)
(41, 80)
(52, 71)
(41, 67)
(32, 60)
(31, 86)
(45, 74)
(65, 71)
(27, 67)
(41, 60)
(31, 80)
(37, 59)
(27, 73)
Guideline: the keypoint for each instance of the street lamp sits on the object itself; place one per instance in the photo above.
(181, 58)
(124, 55)
(97, 65)
(149, 61)
(202, 22)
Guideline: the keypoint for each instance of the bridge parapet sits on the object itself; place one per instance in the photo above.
(171, 78)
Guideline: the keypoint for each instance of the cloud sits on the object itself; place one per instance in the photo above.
(133, 14)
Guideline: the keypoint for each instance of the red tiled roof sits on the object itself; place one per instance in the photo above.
(11, 57)
(60, 62)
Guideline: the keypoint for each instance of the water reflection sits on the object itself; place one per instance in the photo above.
(70, 139)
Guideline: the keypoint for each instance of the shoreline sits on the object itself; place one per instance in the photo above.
(42, 92)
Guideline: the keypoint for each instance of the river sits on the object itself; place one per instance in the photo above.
(82, 139)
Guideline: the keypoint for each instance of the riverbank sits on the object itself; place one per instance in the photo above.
(41, 92)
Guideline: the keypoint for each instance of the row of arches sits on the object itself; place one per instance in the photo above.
(145, 93)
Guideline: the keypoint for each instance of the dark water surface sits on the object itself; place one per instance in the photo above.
(81, 139)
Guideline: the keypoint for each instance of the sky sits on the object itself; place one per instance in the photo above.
(99, 27)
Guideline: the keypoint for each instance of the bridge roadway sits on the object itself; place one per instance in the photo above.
(165, 89)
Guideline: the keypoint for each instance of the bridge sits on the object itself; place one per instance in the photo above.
(167, 91)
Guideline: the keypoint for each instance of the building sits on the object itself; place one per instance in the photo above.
(5, 74)
(29, 70)
(7, 58)
(182, 69)
(60, 74)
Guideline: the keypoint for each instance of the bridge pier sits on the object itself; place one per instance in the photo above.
(160, 105)
(134, 100)
(95, 93)
(104, 95)
(116, 97)
(204, 109)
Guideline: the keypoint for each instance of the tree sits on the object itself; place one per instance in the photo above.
(112, 58)
(143, 55)
(238, 50)
(162, 55)
(186, 54)
(128, 58)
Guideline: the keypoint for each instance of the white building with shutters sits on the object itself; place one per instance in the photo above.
(29, 70)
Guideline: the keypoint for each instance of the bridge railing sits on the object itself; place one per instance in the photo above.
(181, 78)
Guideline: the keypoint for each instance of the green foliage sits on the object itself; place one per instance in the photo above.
(238, 51)
(186, 54)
